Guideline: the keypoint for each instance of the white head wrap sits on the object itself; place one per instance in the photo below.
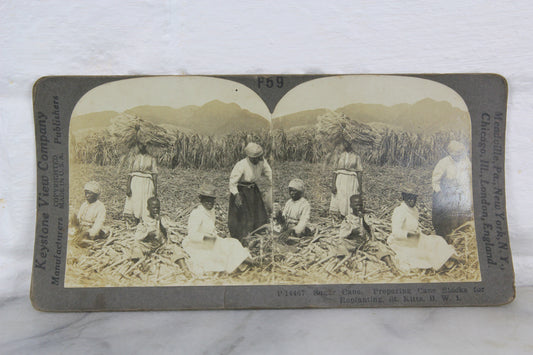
(455, 148)
(297, 184)
(253, 150)
(92, 186)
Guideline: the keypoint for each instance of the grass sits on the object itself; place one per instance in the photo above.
(306, 263)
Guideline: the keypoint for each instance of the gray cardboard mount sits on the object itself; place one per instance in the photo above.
(485, 95)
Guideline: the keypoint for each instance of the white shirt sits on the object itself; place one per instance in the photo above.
(404, 220)
(245, 171)
(457, 173)
(352, 222)
(149, 224)
(201, 223)
(144, 163)
(92, 216)
(297, 212)
(349, 161)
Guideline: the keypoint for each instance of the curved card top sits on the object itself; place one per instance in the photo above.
(278, 191)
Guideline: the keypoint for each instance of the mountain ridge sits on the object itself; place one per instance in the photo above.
(218, 118)
(426, 115)
(213, 118)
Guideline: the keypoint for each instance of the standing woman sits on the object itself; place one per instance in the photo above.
(347, 178)
(247, 209)
(142, 184)
(452, 192)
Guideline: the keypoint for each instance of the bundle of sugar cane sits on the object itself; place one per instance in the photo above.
(131, 132)
(335, 127)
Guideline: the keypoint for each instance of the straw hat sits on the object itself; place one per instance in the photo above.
(207, 190)
(409, 189)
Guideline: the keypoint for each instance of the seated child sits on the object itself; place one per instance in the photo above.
(152, 236)
(357, 233)
(294, 219)
(207, 251)
(88, 224)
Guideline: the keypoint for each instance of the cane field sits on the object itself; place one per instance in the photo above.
(392, 159)
(311, 261)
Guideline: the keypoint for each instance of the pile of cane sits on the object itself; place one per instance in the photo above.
(312, 260)
(315, 260)
(109, 263)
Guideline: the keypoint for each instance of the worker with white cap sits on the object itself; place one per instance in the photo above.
(247, 209)
(89, 222)
(452, 190)
(294, 219)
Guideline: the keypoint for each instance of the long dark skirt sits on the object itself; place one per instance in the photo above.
(449, 212)
(250, 216)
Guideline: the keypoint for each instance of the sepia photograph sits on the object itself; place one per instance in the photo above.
(192, 181)
(385, 167)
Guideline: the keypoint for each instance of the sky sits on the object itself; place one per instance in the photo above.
(338, 91)
(173, 91)
(330, 93)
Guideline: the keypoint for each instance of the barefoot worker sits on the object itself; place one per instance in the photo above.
(142, 184)
(208, 252)
(357, 232)
(152, 237)
(247, 210)
(415, 250)
(347, 178)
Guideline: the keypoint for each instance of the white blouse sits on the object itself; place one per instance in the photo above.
(245, 171)
(298, 213)
(404, 220)
(92, 216)
(201, 223)
(457, 173)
